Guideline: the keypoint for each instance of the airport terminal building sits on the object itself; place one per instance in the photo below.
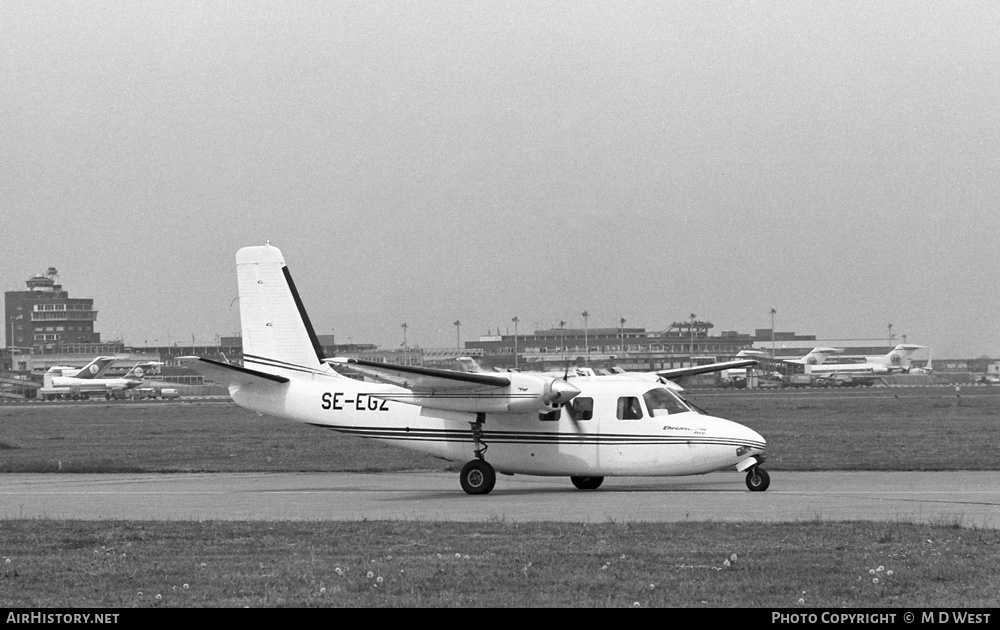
(45, 327)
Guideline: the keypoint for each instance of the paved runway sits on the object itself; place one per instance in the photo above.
(965, 498)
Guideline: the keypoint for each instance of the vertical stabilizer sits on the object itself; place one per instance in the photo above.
(277, 335)
(899, 357)
(94, 369)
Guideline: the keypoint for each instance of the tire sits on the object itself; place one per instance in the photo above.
(757, 479)
(587, 483)
(478, 477)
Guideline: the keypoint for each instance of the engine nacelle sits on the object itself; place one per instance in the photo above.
(527, 393)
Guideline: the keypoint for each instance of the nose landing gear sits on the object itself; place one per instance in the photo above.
(757, 479)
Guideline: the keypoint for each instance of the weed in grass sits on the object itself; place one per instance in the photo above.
(9, 568)
(877, 584)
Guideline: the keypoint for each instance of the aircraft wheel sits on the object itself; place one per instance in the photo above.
(478, 477)
(757, 479)
(587, 483)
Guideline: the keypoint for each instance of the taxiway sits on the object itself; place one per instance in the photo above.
(970, 499)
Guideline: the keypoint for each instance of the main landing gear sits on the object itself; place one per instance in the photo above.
(477, 476)
(587, 483)
(757, 479)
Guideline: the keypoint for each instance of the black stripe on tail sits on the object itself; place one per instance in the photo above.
(317, 348)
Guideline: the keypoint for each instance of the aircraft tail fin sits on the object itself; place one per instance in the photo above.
(278, 337)
(95, 368)
(900, 355)
(139, 369)
(816, 356)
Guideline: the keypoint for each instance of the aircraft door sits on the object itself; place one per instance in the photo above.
(581, 433)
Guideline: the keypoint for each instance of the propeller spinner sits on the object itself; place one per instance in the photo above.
(559, 392)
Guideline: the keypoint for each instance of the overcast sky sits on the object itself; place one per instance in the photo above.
(430, 161)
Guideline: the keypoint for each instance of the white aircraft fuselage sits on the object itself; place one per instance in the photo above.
(896, 361)
(94, 384)
(686, 443)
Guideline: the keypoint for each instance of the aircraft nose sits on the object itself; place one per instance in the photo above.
(745, 434)
(756, 438)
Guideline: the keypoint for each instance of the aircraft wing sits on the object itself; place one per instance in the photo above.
(471, 392)
(421, 379)
(227, 374)
(673, 373)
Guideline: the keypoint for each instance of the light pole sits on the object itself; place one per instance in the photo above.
(773, 313)
(586, 338)
(621, 333)
(890, 336)
(692, 334)
(12, 319)
(515, 320)
(458, 334)
(404, 335)
(562, 338)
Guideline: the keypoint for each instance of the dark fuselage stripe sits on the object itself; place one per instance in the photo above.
(271, 363)
(503, 437)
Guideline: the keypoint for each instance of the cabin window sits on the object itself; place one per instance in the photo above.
(661, 401)
(552, 416)
(629, 408)
(581, 408)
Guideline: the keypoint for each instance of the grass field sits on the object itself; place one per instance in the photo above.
(498, 564)
(857, 429)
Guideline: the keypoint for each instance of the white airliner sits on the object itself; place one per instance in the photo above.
(94, 369)
(586, 428)
(896, 361)
(81, 388)
(815, 356)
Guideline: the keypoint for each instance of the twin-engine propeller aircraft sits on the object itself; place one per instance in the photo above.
(585, 428)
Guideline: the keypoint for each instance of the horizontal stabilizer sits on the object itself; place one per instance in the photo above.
(227, 374)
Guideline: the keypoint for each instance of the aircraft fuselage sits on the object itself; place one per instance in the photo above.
(648, 443)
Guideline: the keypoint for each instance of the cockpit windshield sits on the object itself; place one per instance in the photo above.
(661, 402)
